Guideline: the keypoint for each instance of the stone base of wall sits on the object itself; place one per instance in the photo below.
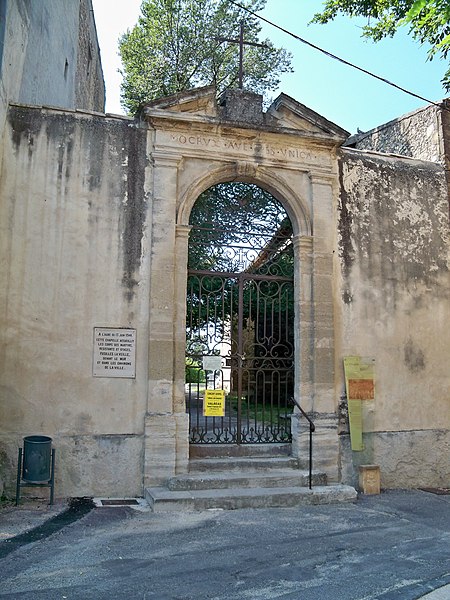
(325, 444)
(166, 447)
(8, 466)
(182, 457)
(408, 459)
(85, 465)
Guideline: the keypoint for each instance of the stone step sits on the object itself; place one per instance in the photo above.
(273, 478)
(163, 499)
(222, 450)
(242, 463)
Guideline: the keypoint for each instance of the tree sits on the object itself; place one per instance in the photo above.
(232, 223)
(236, 227)
(175, 47)
(428, 21)
(240, 294)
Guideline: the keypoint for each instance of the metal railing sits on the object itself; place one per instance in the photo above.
(312, 428)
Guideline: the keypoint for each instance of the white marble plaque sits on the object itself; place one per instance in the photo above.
(212, 363)
(114, 352)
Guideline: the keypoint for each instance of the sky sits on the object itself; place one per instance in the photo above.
(341, 94)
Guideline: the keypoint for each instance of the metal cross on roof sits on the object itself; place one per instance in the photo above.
(241, 43)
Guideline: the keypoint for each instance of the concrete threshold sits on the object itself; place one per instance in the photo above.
(163, 499)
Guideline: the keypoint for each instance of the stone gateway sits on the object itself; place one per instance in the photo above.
(95, 223)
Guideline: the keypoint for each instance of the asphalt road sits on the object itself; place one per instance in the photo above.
(390, 547)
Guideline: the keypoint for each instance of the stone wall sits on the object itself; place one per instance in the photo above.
(394, 297)
(94, 222)
(73, 256)
(50, 56)
(89, 82)
(417, 135)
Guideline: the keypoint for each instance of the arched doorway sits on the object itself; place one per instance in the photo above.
(239, 317)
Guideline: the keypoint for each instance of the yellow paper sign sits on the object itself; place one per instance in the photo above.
(214, 403)
(359, 384)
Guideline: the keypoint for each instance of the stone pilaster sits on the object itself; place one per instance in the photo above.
(181, 253)
(179, 400)
(166, 431)
(316, 372)
(304, 373)
(325, 443)
(322, 293)
(162, 285)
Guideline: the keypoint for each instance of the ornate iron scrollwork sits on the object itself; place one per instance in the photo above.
(240, 309)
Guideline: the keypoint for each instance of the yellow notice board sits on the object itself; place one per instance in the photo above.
(355, 419)
(214, 403)
(359, 384)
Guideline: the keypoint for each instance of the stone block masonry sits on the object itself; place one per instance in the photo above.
(416, 135)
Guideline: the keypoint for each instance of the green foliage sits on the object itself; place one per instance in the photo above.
(231, 222)
(428, 21)
(236, 227)
(241, 267)
(194, 372)
(256, 412)
(174, 47)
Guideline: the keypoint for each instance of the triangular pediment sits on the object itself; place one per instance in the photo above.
(293, 115)
(246, 109)
(200, 101)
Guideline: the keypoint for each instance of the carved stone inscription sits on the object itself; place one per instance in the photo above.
(114, 352)
(254, 147)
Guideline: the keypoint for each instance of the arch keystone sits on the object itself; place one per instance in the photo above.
(245, 169)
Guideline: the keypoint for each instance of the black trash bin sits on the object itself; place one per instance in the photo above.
(37, 452)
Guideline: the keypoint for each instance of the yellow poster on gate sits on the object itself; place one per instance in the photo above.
(214, 403)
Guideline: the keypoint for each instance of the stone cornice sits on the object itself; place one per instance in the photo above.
(159, 119)
(322, 178)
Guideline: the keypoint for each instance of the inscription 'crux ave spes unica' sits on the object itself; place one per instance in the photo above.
(257, 147)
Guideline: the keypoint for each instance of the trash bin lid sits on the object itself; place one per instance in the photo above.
(37, 439)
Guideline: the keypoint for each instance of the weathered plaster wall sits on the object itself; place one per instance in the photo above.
(394, 297)
(417, 135)
(73, 255)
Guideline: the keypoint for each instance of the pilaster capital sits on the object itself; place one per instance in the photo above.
(303, 243)
(166, 159)
(182, 231)
(322, 179)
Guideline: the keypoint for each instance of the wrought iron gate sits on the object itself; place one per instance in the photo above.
(240, 332)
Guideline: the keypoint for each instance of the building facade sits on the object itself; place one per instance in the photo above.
(95, 223)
